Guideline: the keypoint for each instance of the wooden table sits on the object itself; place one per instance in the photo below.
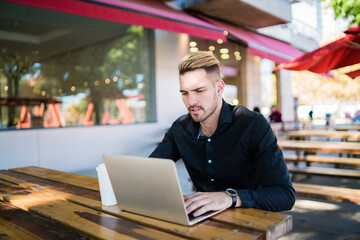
(347, 128)
(306, 134)
(321, 146)
(38, 203)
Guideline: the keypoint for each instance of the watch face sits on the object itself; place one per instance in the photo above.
(231, 192)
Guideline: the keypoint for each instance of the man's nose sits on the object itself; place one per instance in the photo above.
(192, 99)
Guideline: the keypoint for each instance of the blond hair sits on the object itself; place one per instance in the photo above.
(200, 60)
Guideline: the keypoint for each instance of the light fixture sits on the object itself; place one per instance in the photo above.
(107, 81)
(224, 50)
(6, 88)
(86, 84)
(220, 41)
(96, 83)
(192, 44)
(73, 88)
(211, 48)
(226, 33)
(194, 49)
(115, 79)
(225, 56)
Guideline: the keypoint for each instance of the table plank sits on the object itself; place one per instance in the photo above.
(259, 220)
(82, 219)
(9, 231)
(323, 159)
(320, 146)
(328, 134)
(327, 192)
(347, 128)
(68, 178)
(205, 230)
(21, 224)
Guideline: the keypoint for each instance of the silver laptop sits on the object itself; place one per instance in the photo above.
(150, 187)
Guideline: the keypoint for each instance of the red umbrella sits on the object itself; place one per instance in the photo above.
(340, 53)
(353, 74)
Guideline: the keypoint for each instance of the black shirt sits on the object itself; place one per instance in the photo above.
(242, 154)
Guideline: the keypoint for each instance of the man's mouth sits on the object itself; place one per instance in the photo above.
(195, 109)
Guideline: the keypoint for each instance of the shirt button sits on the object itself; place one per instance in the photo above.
(209, 139)
(209, 161)
(212, 179)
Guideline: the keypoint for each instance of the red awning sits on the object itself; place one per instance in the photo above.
(260, 45)
(148, 13)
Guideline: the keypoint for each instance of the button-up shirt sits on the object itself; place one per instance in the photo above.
(242, 154)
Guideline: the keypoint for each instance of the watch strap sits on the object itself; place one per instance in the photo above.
(234, 201)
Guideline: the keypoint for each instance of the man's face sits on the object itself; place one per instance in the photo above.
(200, 93)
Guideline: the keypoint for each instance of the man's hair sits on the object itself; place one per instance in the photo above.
(200, 60)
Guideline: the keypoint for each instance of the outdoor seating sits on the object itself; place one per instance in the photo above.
(338, 194)
(328, 165)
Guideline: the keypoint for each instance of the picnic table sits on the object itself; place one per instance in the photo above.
(320, 146)
(306, 134)
(39, 203)
(347, 128)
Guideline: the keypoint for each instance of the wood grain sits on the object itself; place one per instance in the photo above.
(68, 178)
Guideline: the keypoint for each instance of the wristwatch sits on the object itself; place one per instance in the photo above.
(233, 193)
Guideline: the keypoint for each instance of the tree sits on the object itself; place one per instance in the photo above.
(13, 66)
(347, 9)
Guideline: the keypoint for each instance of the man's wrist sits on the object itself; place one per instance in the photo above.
(234, 196)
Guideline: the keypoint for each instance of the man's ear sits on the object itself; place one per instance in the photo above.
(220, 85)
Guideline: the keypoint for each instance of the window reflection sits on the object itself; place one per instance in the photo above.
(68, 70)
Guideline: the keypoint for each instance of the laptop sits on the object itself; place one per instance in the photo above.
(149, 187)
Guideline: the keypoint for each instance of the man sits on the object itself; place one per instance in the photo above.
(230, 152)
(275, 116)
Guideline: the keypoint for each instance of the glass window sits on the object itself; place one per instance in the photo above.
(60, 70)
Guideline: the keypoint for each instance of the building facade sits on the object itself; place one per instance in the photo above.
(79, 79)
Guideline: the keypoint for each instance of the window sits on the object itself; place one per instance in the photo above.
(61, 70)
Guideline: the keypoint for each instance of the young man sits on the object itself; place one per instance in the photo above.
(230, 152)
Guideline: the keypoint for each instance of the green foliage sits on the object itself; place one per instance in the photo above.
(13, 66)
(347, 9)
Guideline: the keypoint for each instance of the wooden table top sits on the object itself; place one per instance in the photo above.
(319, 133)
(39, 203)
(347, 128)
(321, 146)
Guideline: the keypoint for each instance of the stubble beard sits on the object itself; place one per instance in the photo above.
(210, 111)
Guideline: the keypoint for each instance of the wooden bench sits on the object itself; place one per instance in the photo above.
(328, 172)
(337, 194)
(323, 159)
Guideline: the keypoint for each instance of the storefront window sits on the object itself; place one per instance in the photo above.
(61, 70)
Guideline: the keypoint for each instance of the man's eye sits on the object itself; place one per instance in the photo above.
(183, 93)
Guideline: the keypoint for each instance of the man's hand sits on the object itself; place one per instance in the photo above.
(202, 202)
